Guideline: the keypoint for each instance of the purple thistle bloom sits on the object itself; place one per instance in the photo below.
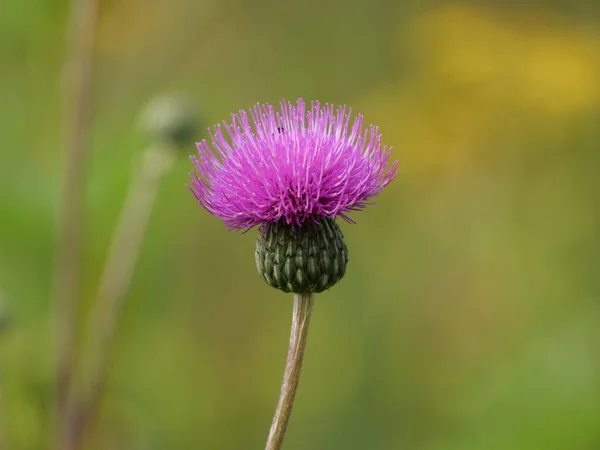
(291, 165)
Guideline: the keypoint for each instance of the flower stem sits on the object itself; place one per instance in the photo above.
(78, 119)
(303, 304)
(118, 271)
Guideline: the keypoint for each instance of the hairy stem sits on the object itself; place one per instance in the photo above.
(303, 304)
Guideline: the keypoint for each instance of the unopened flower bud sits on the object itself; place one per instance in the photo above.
(170, 119)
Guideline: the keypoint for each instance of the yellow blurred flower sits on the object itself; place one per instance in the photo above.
(483, 76)
(537, 61)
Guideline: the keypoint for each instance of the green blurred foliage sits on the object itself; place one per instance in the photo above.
(468, 318)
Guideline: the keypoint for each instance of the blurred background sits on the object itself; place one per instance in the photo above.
(469, 315)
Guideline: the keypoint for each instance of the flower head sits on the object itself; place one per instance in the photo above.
(292, 166)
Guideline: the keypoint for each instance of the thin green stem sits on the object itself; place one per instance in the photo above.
(303, 304)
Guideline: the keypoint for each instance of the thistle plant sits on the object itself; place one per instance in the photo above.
(169, 121)
(291, 173)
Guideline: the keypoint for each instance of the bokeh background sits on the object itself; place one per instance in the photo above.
(469, 316)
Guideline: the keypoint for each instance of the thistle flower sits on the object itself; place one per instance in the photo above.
(291, 173)
(293, 166)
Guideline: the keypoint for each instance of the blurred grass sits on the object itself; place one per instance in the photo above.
(468, 318)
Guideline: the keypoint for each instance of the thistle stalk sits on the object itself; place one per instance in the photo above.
(303, 304)
(118, 271)
(78, 119)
